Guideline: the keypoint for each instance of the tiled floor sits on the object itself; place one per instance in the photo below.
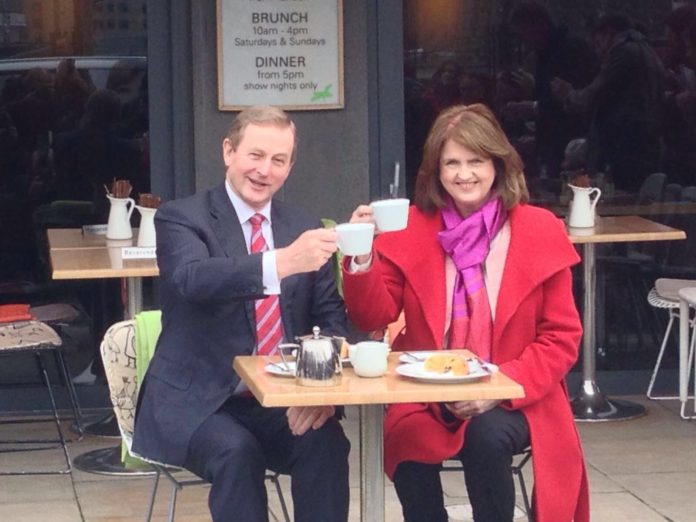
(642, 470)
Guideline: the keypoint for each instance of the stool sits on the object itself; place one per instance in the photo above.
(687, 300)
(37, 338)
(664, 295)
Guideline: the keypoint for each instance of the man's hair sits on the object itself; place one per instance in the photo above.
(262, 115)
(474, 127)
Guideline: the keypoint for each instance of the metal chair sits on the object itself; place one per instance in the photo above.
(36, 338)
(665, 295)
(119, 359)
(455, 465)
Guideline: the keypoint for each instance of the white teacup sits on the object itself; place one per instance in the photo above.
(369, 358)
(390, 214)
(355, 239)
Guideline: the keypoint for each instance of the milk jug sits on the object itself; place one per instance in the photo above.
(582, 207)
(118, 226)
(146, 233)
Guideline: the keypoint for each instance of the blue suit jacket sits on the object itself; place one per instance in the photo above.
(208, 284)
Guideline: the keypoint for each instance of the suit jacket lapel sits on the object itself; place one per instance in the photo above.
(228, 230)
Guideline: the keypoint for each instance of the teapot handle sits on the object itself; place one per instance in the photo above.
(283, 346)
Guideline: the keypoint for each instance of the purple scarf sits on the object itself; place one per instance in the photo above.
(467, 241)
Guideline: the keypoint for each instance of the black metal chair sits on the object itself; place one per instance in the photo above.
(455, 465)
(36, 338)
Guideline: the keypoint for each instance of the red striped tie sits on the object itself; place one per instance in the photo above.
(269, 327)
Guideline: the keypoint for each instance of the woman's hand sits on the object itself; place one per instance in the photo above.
(363, 214)
(301, 418)
(464, 410)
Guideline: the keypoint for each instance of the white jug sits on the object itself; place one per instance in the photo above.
(119, 226)
(146, 233)
(369, 358)
(582, 207)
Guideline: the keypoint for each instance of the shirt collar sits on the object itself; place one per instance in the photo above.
(242, 208)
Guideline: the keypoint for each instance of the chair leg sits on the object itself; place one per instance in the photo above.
(658, 363)
(56, 418)
(72, 393)
(517, 470)
(172, 501)
(274, 478)
(690, 359)
(153, 495)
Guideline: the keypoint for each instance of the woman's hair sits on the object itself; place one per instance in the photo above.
(262, 115)
(474, 127)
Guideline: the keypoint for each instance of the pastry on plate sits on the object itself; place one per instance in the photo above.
(446, 362)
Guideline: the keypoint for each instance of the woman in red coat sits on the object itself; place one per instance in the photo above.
(478, 268)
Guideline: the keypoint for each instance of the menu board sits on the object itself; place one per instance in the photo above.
(287, 53)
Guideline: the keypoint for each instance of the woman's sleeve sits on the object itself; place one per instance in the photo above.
(373, 297)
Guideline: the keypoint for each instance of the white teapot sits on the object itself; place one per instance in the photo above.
(582, 206)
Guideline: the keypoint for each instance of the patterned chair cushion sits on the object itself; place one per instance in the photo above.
(118, 356)
(27, 335)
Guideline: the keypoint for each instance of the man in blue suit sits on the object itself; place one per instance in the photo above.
(193, 409)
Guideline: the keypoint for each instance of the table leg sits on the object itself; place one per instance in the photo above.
(590, 404)
(371, 463)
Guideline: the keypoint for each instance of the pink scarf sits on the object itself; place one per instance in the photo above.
(467, 241)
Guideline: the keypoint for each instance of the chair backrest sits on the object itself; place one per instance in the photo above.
(118, 356)
(651, 190)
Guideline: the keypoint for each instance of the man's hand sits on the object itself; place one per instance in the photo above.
(307, 253)
(466, 409)
(301, 418)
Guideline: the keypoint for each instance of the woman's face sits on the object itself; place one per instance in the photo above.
(466, 176)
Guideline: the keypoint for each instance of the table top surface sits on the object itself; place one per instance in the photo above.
(74, 238)
(98, 263)
(272, 391)
(640, 209)
(621, 229)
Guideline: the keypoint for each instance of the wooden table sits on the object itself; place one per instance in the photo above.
(590, 404)
(371, 395)
(75, 255)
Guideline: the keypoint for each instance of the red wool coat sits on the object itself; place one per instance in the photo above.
(536, 335)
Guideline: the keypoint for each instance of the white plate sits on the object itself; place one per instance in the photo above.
(278, 370)
(416, 371)
(412, 357)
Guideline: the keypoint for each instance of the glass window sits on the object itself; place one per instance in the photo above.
(73, 117)
(587, 97)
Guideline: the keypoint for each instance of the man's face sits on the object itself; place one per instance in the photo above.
(261, 163)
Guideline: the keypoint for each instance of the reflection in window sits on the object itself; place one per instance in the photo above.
(586, 96)
(73, 116)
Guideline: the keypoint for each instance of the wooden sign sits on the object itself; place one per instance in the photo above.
(286, 53)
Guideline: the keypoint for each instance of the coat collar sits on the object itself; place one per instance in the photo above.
(531, 234)
(427, 280)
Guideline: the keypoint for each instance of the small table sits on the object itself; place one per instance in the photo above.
(590, 404)
(371, 395)
(75, 255)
